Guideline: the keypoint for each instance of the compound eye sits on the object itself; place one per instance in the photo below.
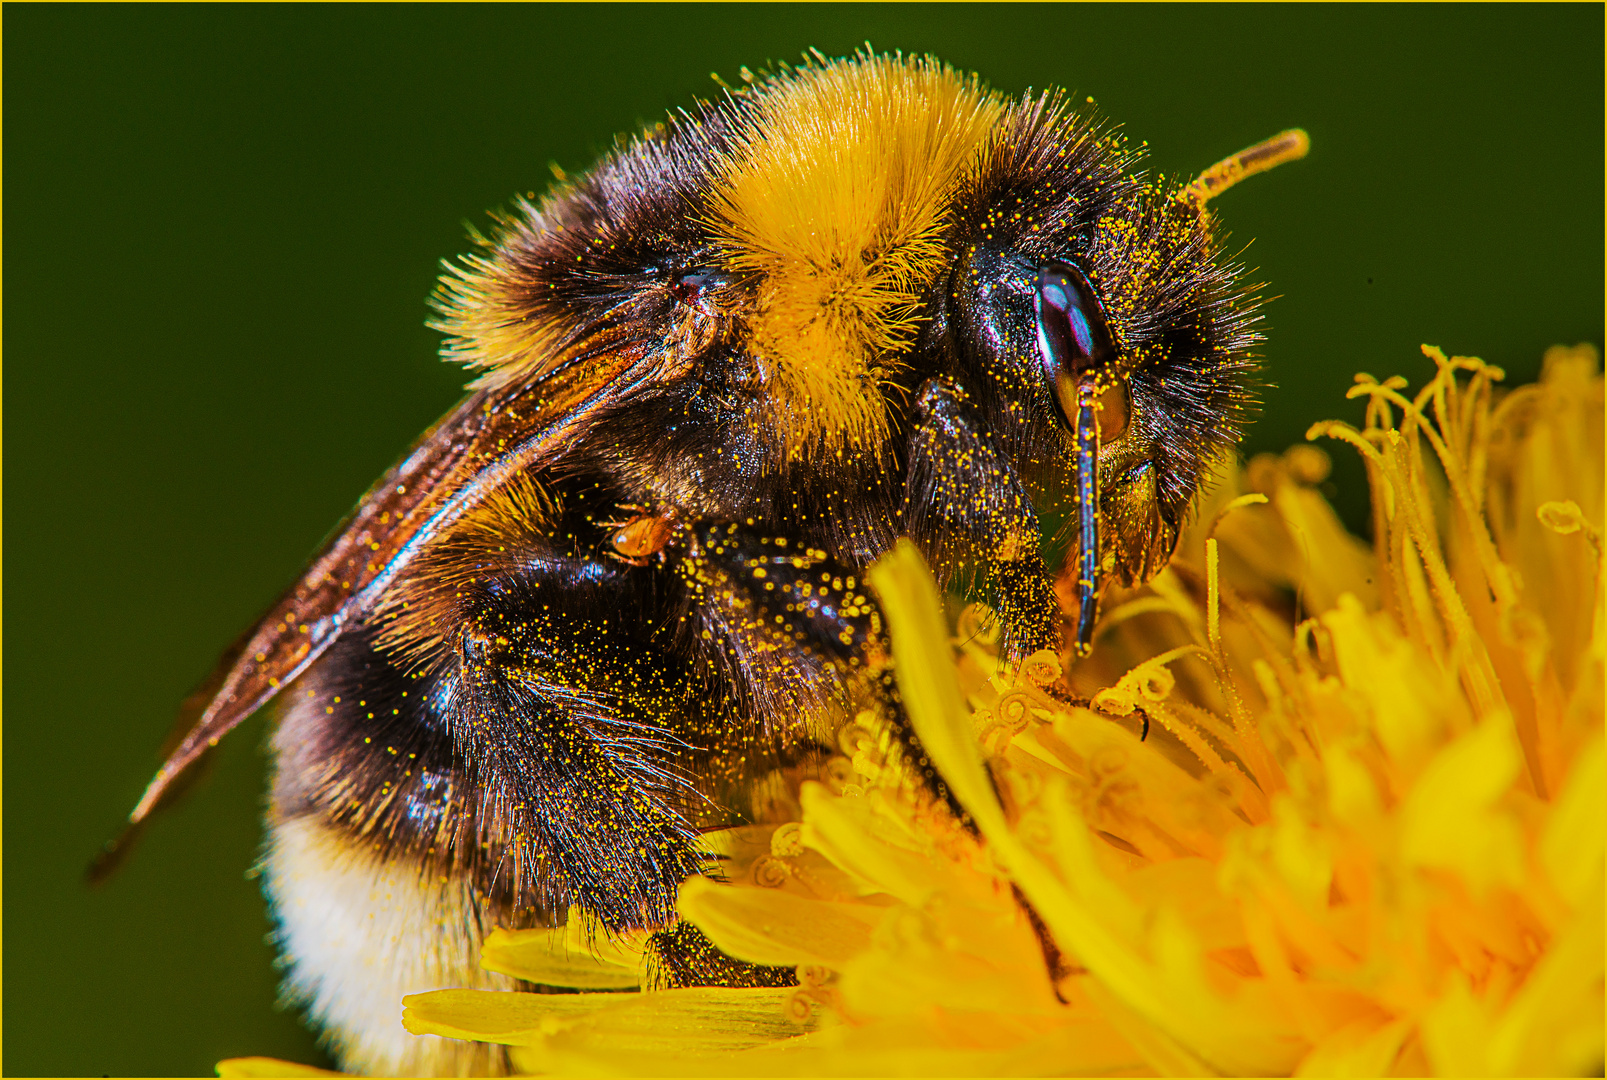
(1074, 342)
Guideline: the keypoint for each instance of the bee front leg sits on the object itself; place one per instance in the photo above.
(967, 507)
(797, 632)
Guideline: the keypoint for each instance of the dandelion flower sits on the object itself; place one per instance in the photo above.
(1312, 806)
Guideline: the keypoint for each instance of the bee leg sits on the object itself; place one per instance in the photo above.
(586, 726)
(965, 502)
(949, 512)
(572, 721)
(768, 606)
(768, 610)
(681, 955)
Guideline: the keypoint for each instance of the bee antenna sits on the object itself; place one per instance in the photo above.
(1285, 146)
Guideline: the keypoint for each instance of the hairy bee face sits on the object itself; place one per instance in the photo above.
(1075, 281)
(616, 597)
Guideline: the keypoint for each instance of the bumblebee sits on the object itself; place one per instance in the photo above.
(616, 597)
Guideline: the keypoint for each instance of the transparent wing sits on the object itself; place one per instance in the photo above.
(491, 436)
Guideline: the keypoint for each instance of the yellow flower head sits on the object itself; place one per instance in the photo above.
(1313, 807)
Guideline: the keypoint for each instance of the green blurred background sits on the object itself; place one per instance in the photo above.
(220, 228)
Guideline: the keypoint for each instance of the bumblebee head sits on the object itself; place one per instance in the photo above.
(1093, 313)
(792, 261)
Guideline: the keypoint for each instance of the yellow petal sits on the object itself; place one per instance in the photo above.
(1353, 796)
(1456, 1030)
(1407, 696)
(1449, 819)
(496, 1016)
(1553, 1025)
(1362, 1049)
(860, 836)
(1169, 800)
(1300, 854)
(924, 660)
(768, 926)
(938, 1044)
(1171, 994)
(932, 696)
(959, 960)
(1575, 841)
(546, 957)
(695, 1019)
(1189, 887)
(1164, 1054)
